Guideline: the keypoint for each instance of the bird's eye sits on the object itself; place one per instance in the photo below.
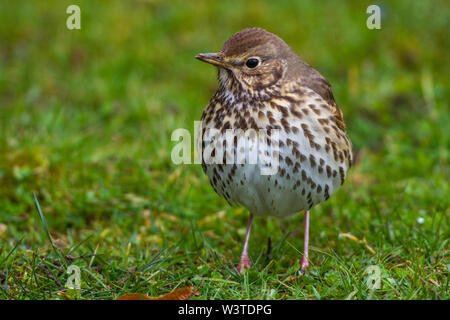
(252, 63)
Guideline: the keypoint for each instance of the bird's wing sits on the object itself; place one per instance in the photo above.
(317, 83)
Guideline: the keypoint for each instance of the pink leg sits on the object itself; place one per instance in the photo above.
(304, 262)
(245, 261)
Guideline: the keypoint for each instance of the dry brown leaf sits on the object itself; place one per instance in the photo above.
(134, 296)
(179, 294)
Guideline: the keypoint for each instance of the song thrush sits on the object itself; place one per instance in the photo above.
(264, 85)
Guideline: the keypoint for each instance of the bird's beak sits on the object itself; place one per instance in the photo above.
(215, 59)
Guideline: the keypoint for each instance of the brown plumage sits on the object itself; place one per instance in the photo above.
(265, 86)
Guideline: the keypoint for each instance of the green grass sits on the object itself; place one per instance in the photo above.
(85, 123)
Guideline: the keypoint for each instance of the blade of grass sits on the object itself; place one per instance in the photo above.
(44, 224)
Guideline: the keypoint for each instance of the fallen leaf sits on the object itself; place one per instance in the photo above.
(179, 294)
(134, 296)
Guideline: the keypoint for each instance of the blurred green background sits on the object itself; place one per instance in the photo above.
(85, 123)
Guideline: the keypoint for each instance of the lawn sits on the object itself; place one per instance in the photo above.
(86, 118)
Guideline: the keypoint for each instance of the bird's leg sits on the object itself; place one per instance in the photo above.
(304, 262)
(245, 261)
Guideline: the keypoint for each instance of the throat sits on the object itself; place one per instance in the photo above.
(232, 91)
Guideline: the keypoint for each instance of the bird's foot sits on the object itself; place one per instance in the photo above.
(244, 264)
(304, 265)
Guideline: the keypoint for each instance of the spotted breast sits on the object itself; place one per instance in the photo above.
(314, 151)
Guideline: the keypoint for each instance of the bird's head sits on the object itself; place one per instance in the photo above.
(253, 58)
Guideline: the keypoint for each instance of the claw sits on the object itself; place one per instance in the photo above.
(304, 264)
(245, 264)
(245, 261)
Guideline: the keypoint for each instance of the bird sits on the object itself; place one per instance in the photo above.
(264, 86)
